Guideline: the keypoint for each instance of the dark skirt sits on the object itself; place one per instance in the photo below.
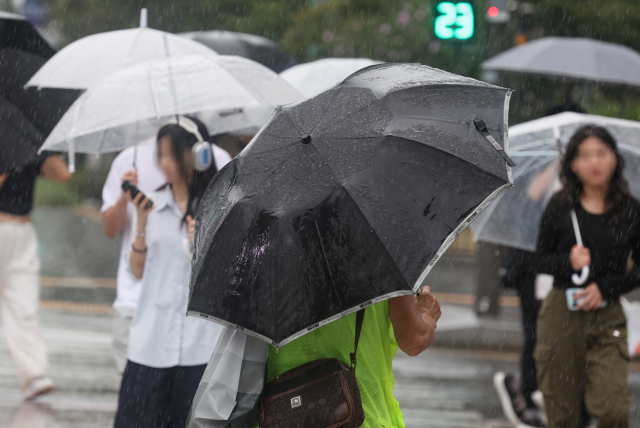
(156, 398)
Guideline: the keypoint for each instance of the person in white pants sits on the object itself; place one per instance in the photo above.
(117, 217)
(20, 273)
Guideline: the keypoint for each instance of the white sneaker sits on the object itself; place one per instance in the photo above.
(37, 387)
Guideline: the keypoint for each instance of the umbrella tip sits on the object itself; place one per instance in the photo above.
(143, 17)
(306, 140)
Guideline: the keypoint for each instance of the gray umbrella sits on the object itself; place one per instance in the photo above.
(577, 58)
(257, 48)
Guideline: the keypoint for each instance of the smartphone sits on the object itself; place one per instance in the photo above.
(130, 187)
(573, 304)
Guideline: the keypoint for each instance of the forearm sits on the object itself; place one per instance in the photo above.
(138, 252)
(555, 264)
(414, 331)
(55, 169)
(615, 286)
(114, 220)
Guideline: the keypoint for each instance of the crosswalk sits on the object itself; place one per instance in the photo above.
(433, 391)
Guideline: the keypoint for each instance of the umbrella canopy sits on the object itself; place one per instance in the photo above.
(577, 58)
(89, 60)
(228, 93)
(17, 33)
(314, 77)
(514, 219)
(346, 199)
(26, 115)
(260, 49)
(20, 138)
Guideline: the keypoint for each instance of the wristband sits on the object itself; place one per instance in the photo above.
(135, 250)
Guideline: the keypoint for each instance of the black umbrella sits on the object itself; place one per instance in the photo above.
(22, 52)
(259, 49)
(347, 199)
(18, 33)
(20, 138)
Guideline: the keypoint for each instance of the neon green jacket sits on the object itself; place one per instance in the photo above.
(376, 350)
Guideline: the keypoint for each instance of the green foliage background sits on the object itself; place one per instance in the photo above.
(388, 31)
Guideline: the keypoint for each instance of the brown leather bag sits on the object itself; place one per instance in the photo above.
(319, 394)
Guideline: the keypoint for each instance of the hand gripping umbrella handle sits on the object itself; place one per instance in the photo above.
(578, 279)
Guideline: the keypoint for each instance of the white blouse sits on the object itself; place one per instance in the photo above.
(161, 334)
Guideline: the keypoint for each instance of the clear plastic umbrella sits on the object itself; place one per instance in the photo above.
(87, 61)
(228, 93)
(514, 218)
(317, 76)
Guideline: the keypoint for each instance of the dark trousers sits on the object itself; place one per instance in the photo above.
(156, 398)
(530, 307)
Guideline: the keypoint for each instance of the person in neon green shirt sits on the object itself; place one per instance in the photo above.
(400, 322)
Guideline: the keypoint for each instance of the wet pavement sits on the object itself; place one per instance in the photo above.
(442, 387)
(449, 385)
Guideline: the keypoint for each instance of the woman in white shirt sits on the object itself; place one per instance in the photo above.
(168, 351)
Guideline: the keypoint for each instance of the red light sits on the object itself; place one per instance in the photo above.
(493, 11)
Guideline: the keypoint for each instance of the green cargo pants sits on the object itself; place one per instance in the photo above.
(582, 355)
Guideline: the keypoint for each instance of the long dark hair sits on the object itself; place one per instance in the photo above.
(181, 140)
(618, 196)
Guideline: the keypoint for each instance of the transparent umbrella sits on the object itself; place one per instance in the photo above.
(314, 77)
(514, 218)
(228, 93)
(87, 61)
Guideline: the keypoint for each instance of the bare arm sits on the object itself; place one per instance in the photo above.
(139, 246)
(55, 169)
(540, 184)
(414, 324)
(114, 219)
(3, 178)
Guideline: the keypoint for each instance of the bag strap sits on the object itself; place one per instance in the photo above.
(359, 319)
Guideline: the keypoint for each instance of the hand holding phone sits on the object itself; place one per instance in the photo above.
(128, 186)
(574, 304)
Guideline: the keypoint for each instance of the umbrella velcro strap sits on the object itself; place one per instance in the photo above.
(482, 128)
(359, 319)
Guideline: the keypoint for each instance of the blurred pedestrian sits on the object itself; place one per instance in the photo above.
(402, 322)
(168, 351)
(581, 351)
(521, 273)
(20, 272)
(517, 398)
(117, 218)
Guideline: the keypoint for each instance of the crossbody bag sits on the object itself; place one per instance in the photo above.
(319, 394)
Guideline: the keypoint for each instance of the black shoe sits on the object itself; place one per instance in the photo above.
(514, 404)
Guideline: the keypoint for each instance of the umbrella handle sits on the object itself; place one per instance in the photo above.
(579, 279)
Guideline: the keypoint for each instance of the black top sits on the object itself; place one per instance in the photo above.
(609, 239)
(16, 195)
(519, 269)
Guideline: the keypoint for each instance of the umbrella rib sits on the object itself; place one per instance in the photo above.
(324, 114)
(396, 271)
(326, 260)
(351, 115)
